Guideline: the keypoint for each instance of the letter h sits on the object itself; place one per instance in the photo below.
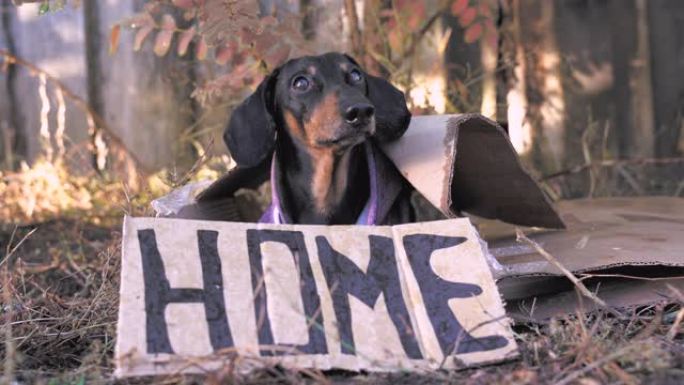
(159, 293)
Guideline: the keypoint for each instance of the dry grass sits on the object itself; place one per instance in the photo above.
(59, 327)
(48, 190)
(60, 278)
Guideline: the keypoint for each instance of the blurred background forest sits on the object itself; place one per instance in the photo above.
(590, 91)
(107, 104)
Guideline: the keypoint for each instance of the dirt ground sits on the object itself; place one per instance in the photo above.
(60, 300)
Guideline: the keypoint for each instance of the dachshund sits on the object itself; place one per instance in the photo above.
(319, 120)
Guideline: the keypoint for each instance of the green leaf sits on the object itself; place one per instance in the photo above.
(44, 8)
(58, 5)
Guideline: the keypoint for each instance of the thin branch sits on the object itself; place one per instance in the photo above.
(7, 290)
(12, 249)
(612, 163)
(418, 36)
(578, 283)
(674, 329)
(10, 347)
(626, 276)
(80, 103)
(631, 181)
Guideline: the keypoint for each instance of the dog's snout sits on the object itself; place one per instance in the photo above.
(359, 113)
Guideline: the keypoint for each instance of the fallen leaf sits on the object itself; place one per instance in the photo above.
(114, 35)
(140, 37)
(165, 36)
(458, 6)
(467, 17)
(201, 50)
(184, 40)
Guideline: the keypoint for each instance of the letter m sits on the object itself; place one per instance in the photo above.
(345, 278)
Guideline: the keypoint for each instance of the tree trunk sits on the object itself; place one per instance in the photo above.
(489, 60)
(632, 91)
(146, 103)
(545, 96)
(373, 36)
(464, 93)
(519, 129)
(94, 77)
(665, 20)
(642, 137)
(309, 13)
(584, 38)
(13, 140)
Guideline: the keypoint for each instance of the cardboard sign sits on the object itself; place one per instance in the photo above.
(196, 295)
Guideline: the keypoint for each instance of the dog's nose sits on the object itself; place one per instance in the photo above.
(359, 113)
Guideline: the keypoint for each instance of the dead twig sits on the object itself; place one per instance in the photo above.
(418, 35)
(629, 178)
(11, 250)
(599, 275)
(674, 329)
(578, 284)
(612, 163)
(7, 290)
(97, 120)
(10, 351)
(652, 326)
(596, 364)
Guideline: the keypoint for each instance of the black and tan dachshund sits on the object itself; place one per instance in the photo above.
(317, 120)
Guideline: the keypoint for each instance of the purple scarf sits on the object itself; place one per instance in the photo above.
(368, 216)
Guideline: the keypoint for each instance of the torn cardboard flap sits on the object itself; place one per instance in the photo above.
(466, 163)
(630, 250)
(601, 233)
(460, 163)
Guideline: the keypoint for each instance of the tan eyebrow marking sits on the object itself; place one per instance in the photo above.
(311, 70)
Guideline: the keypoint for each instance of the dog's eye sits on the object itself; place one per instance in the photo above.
(301, 83)
(355, 76)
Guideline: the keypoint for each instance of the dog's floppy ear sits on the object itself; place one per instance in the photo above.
(250, 134)
(392, 117)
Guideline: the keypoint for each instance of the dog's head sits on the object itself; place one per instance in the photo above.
(323, 102)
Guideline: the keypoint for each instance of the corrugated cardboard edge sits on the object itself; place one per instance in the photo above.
(548, 270)
(425, 170)
(117, 347)
(618, 294)
(451, 148)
